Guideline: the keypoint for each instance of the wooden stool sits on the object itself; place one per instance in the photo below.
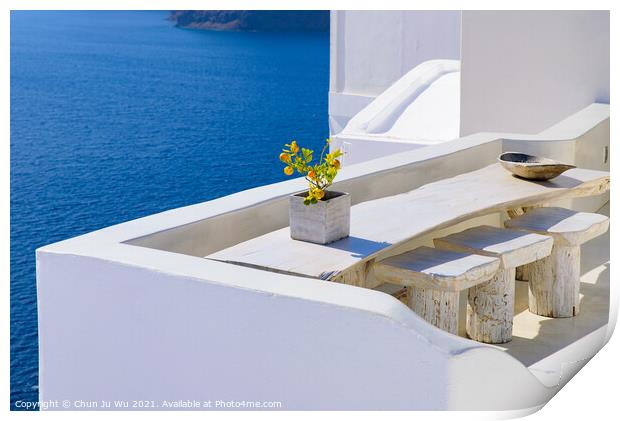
(491, 304)
(554, 281)
(435, 278)
(397, 291)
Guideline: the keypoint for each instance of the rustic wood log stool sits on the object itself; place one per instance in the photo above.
(397, 291)
(490, 309)
(434, 279)
(554, 281)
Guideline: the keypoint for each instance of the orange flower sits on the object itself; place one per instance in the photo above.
(319, 175)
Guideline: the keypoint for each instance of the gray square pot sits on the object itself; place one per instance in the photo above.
(323, 222)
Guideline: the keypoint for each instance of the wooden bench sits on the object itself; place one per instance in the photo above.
(490, 309)
(435, 279)
(379, 225)
(397, 291)
(554, 281)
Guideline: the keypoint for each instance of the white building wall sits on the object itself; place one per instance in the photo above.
(522, 71)
(370, 50)
(149, 338)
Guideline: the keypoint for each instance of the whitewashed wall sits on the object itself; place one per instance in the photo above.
(133, 312)
(206, 330)
(370, 50)
(522, 71)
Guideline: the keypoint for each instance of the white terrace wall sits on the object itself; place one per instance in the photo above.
(370, 50)
(366, 181)
(580, 139)
(194, 329)
(158, 322)
(522, 71)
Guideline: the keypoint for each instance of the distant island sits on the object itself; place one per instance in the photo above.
(252, 20)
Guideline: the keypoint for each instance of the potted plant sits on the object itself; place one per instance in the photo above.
(316, 215)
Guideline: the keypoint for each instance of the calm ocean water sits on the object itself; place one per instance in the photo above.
(118, 115)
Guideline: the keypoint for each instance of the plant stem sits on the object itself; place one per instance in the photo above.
(313, 183)
(323, 151)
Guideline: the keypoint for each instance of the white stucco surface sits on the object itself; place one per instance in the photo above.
(421, 108)
(435, 114)
(415, 107)
(370, 50)
(381, 46)
(522, 71)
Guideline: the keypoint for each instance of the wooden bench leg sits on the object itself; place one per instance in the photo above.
(521, 275)
(439, 308)
(554, 283)
(490, 309)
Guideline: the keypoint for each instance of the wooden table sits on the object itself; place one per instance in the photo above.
(381, 224)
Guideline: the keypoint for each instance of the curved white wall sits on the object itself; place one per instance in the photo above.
(113, 331)
(421, 108)
(370, 50)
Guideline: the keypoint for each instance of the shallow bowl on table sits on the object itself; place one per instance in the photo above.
(532, 167)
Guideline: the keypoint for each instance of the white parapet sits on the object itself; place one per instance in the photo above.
(133, 312)
(422, 108)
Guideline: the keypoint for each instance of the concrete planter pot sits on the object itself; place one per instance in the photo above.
(322, 222)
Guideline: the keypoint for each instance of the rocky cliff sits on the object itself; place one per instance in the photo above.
(253, 20)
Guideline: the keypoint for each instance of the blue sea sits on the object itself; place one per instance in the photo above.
(118, 115)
